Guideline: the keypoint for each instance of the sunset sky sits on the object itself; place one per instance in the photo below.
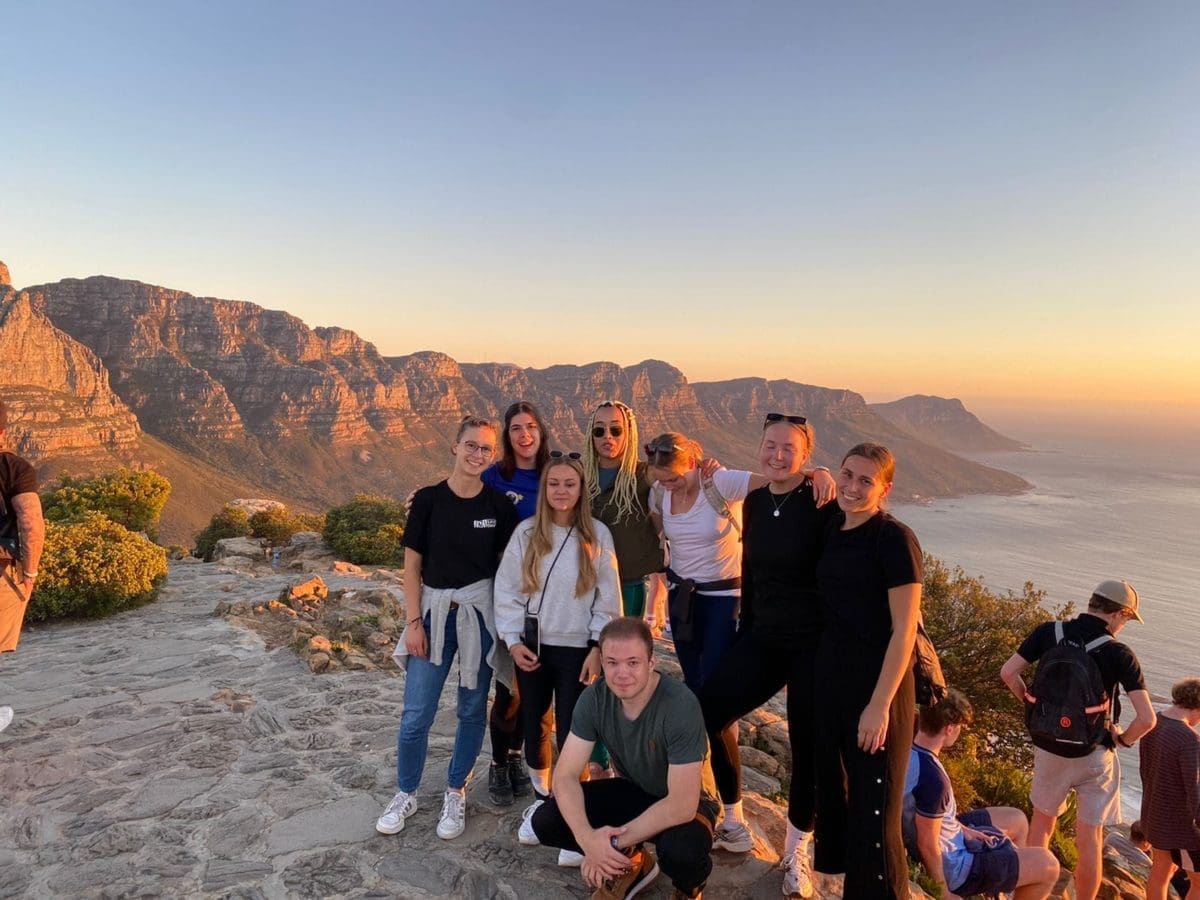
(999, 202)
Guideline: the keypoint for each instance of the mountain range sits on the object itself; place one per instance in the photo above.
(230, 399)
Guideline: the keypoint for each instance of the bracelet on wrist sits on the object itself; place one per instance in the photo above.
(31, 575)
(414, 621)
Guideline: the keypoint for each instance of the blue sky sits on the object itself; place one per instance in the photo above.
(994, 201)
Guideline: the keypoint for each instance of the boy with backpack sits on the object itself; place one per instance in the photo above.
(1072, 711)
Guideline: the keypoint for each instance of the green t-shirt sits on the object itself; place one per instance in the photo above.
(669, 731)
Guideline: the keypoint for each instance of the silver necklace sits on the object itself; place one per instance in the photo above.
(779, 506)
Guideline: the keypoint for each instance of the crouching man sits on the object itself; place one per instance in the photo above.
(979, 852)
(664, 791)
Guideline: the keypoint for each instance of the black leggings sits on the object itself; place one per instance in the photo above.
(858, 816)
(555, 680)
(504, 722)
(684, 851)
(750, 674)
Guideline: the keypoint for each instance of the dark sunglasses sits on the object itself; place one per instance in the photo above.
(772, 418)
(655, 448)
(615, 430)
(558, 454)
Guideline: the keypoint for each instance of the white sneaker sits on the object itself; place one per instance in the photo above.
(454, 815)
(525, 834)
(797, 873)
(569, 859)
(6, 716)
(402, 806)
(734, 837)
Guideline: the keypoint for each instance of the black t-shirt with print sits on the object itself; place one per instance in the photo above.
(460, 539)
(857, 570)
(1116, 662)
(780, 598)
(16, 477)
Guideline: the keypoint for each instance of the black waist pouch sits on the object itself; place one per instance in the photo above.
(682, 603)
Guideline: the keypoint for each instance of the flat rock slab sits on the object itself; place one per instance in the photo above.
(165, 752)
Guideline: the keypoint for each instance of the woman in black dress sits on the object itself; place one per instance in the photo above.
(869, 577)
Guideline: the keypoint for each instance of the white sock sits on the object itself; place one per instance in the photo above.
(462, 790)
(734, 814)
(541, 781)
(795, 838)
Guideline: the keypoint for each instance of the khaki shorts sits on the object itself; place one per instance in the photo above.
(12, 607)
(1095, 779)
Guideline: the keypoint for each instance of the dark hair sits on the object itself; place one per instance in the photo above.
(1136, 834)
(953, 709)
(1186, 693)
(3, 415)
(1102, 604)
(508, 462)
(472, 422)
(625, 627)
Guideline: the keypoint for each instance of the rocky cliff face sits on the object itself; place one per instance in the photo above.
(314, 415)
(944, 422)
(59, 400)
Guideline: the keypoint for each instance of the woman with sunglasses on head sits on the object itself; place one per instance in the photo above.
(456, 532)
(517, 475)
(783, 527)
(557, 586)
(618, 489)
(869, 577)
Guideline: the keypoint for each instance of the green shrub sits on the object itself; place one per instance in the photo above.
(228, 523)
(277, 525)
(381, 547)
(132, 499)
(93, 567)
(367, 530)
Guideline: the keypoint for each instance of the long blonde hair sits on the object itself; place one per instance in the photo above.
(627, 487)
(542, 534)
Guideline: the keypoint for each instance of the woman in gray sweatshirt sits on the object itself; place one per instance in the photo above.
(557, 586)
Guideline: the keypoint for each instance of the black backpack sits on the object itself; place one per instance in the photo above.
(1066, 707)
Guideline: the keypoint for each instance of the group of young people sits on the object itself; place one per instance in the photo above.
(534, 568)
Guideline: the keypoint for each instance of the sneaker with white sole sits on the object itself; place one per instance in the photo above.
(643, 869)
(734, 837)
(526, 834)
(797, 874)
(453, 821)
(402, 806)
(569, 859)
(6, 716)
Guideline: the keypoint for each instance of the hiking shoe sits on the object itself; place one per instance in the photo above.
(518, 777)
(453, 821)
(402, 806)
(500, 789)
(643, 869)
(734, 837)
(569, 859)
(6, 716)
(797, 874)
(526, 834)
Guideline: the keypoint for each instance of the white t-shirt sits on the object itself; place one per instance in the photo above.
(704, 545)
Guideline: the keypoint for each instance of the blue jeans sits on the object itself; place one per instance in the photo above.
(422, 690)
(714, 627)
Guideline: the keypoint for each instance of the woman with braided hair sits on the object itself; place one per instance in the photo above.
(618, 490)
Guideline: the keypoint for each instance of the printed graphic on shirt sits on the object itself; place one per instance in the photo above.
(485, 523)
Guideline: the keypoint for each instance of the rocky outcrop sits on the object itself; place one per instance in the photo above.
(5, 278)
(60, 404)
(944, 422)
(317, 414)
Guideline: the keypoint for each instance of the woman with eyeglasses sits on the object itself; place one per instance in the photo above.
(869, 577)
(618, 490)
(557, 586)
(456, 532)
(517, 475)
(783, 528)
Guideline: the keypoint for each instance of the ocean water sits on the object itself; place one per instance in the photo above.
(1095, 512)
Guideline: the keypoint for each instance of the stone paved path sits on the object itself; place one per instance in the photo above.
(164, 752)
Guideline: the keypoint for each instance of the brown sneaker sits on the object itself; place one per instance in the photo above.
(680, 895)
(643, 869)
